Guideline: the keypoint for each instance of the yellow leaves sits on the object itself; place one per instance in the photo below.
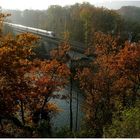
(128, 59)
(86, 78)
(52, 107)
(105, 44)
(5, 50)
(54, 67)
(43, 80)
(60, 53)
(63, 71)
(114, 73)
(24, 62)
(32, 81)
(26, 39)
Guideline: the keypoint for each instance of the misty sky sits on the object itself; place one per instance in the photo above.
(44, 4)
(40, 4)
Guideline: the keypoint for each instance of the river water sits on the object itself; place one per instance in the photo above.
(63, 118)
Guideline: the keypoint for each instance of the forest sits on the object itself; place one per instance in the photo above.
(109, 83)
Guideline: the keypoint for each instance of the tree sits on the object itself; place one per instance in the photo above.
(97, 83)
(27, 83)
(125, 124)
(112, 80)
(126, 67)
(86, 16)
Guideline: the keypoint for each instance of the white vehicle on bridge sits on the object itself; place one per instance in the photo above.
(31, 29)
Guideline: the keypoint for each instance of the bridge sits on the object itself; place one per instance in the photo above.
(49, 42)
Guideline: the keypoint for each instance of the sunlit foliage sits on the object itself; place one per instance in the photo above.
(27, 84)
(112, 80)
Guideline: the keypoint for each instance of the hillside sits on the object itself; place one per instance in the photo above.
(130, 12)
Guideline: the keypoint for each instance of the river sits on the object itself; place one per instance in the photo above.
(63, 118)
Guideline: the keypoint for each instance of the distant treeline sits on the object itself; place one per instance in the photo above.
(130, 13)
(82, 20)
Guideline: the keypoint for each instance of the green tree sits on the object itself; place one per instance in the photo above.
(125, 124)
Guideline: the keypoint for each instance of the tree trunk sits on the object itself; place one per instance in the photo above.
(71, 86)
(1, 124)
(22, 113)
(77, 107)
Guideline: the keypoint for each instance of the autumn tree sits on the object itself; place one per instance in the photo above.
(111, 82)
(126, 67)
(27, 83)
(97, 82)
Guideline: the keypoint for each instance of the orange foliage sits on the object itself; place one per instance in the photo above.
(26, 83)
(114, 75)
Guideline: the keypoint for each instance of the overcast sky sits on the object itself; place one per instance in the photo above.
(40, 4)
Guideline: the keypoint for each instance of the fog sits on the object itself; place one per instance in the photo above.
(44, 4)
